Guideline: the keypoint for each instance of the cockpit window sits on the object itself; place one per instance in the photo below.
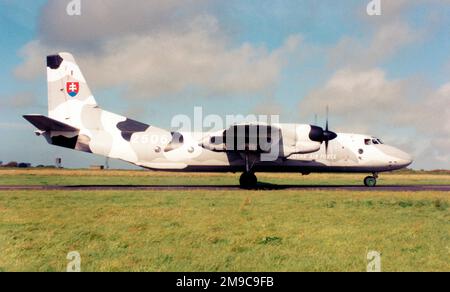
(377, 141)
(373, 141)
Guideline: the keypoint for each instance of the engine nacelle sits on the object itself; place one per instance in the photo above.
(288, 139)
(243, 138)
(296, 140)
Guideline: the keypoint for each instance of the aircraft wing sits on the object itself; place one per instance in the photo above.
(256, 138)
(44, 123)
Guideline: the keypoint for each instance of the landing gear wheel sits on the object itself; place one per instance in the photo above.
(370, 181)
(248, 180)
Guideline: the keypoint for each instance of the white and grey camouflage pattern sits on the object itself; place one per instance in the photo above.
(77, 122)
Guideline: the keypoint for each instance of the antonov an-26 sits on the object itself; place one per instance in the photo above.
(76, 121)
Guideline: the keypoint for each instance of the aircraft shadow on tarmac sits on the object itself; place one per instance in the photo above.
(260, 187)
(263, 187)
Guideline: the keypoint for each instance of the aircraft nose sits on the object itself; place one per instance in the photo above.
(404, 159)
(397, 156)
(401, 158)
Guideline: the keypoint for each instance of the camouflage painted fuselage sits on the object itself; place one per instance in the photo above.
(77, 122)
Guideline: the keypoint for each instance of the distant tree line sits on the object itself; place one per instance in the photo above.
(15, 164)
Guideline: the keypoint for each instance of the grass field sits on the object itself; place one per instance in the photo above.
(117, 177)
(236, 230)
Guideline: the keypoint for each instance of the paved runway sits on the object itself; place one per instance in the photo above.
(262, 187)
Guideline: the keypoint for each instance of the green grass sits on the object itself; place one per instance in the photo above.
(115, 177)
(240, 230)
(224, 230)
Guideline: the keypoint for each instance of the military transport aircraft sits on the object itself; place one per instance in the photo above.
(76, 121)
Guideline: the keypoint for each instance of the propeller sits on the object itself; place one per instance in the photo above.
(327, 134)
(320, 135)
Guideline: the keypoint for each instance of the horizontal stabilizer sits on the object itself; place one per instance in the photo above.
(44, 123)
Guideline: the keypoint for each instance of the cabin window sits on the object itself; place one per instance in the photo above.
(368, 141)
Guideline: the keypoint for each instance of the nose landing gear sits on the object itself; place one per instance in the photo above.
(371, 181)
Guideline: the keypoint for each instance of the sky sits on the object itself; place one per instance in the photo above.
(385, 75)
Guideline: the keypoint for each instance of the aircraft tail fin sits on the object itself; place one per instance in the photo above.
(68, 92)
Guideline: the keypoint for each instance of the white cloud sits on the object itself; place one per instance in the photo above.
(386, 41)
(199, 59)
(406, 112)
(103, 20)
(356, 95)
(156, 48)
(33, 66)
(367, 101)
(23, 99)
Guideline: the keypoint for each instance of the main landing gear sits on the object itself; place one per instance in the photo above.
(371, 181)
(248, 180)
